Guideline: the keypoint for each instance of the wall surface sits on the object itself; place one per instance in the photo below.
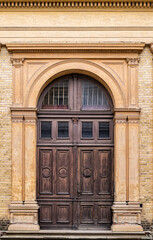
(76, 26)
(61, 27)
(5, 136)
(146, 136)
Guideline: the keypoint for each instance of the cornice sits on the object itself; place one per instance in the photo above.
(77, 47)
(76, 4)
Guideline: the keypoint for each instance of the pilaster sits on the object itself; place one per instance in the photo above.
(23, 207)
(126, 207)
(133, 81)
(17, 64)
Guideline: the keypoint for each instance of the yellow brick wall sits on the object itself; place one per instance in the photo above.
(146, 136)
(5, 135)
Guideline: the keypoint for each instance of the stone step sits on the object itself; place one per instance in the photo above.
(74, 234)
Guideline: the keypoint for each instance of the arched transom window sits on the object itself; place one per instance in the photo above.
(75, 92)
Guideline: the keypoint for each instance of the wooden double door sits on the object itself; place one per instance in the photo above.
(75, 176)
(75, 155)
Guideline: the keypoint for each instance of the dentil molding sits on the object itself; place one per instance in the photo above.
(75, 4)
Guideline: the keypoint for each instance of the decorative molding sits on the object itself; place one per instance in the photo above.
(133, 61)
(75, 47)
(23, 109)
(30, 120)
(17, 119)
(75, 120)
(133, 119)
(130, 116)
(26, 115)
(76, 4)
(120, 121)
(127, 214)
(17, 62)
(79, 28)
(127, 110)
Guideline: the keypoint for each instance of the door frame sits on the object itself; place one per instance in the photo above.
(96, 62)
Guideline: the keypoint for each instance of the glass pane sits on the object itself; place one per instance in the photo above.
(46, 129)
(93, 96)
(63, 129)
(57, 96)
(104, 130)
(87, 129)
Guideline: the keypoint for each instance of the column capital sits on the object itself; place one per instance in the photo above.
(127, 115)
(120, 119)
(17, 62)
(133, 61)
(28, 115)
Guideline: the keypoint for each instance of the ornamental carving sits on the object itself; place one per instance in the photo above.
(46, 172)
(87, 172)
(133, 61)
(75, 120)
(102, 4)
(63, 173)
(17, 62)
(120, 121)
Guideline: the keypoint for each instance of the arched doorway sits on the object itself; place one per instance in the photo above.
(75, 154)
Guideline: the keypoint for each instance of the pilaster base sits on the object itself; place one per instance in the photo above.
(126, 217)
(24, 216)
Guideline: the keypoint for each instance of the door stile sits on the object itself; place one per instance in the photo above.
(74, 179)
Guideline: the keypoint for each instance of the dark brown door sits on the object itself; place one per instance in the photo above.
(75, 155)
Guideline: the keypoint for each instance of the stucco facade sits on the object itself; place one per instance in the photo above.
(109, 41)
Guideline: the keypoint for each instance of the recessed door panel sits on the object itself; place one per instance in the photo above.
(63, 213)
(46, 171)
(87, 213)
(46, 213)
(63, 171)
(104, 171)
(87, 172)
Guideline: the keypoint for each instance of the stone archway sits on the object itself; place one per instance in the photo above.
(118, 73)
